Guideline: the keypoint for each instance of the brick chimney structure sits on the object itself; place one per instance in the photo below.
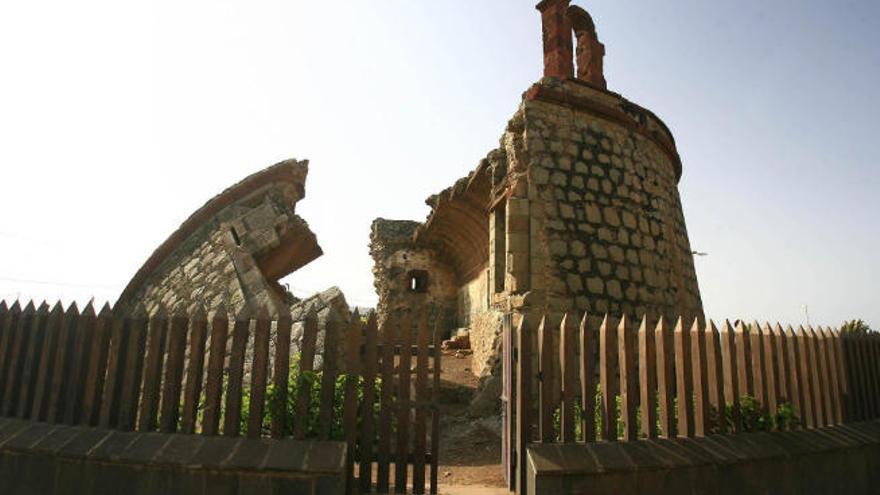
(562, 24)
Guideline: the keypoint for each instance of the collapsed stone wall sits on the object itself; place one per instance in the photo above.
(327, 305)
(233, 250)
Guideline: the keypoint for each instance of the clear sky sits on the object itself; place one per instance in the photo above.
(119, 119)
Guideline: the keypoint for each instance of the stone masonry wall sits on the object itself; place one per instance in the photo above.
(483, 322)
(396, 258)
(608, 229)
(233, 250)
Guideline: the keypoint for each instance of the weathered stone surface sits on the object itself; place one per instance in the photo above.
(234, 249)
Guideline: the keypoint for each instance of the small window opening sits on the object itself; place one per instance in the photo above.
(235, 236)
(417, 281)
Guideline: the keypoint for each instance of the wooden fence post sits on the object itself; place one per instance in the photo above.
(647, 379)
(306, 365)
(665, 378)
(608, 378)
(806, 378)
(420, 429)
(758, 368)
(860, 389)
(435, 399)
(873, 358)
(588, 379)
(240, 336)
(731, 374)
(330, 364)
(844, 392)
(569, 383)
(386, 407)
(171, 385)
(684, 380)
(259, 373)
(743, 360)
(715, 377)
(825, 373)
(152, 370)
(31, 360)
(9, 325)
(195, 369)
(353, 337)
(782, 372)
(108, 415)
(370, 365)
(817, 376)
(628, 392)
(96, 368)
(74, 380)
(18, 343)
(47, 358)
(214, 380)
(281, 376)
(130, 389)
(523, 399)
(702, 425)
(794, 376)
(403, 405)
(771, 364)
(546, 381)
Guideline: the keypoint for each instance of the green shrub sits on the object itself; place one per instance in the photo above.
(855, 327)
(296, 382)
(753, 418)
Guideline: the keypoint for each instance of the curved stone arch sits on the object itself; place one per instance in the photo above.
(461, 224)
(459, 246)
(590, 51)
(559, 19)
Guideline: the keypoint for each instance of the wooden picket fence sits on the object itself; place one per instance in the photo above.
(186, 372)
(606, 379)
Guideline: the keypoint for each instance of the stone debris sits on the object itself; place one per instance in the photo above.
(327, 305)
(458, 341)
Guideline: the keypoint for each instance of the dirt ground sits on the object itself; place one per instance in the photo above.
(470, 448)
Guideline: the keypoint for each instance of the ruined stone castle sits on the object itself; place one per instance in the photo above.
(577, 210)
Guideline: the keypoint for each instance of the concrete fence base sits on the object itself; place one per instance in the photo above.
(842, 460)
(38, 458)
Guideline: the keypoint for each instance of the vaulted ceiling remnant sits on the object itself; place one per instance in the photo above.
(458, 225)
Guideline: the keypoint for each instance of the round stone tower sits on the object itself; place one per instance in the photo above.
(600, 175)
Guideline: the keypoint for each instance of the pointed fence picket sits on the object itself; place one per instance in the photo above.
(183, 370)
(689, 379)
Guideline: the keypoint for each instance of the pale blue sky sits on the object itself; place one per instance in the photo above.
(118, 119)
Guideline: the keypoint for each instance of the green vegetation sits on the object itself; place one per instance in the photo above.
(855, 327)
(296, 382)
(752, 417)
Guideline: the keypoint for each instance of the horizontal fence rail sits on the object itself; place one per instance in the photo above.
(191, 372)
(612, 379)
